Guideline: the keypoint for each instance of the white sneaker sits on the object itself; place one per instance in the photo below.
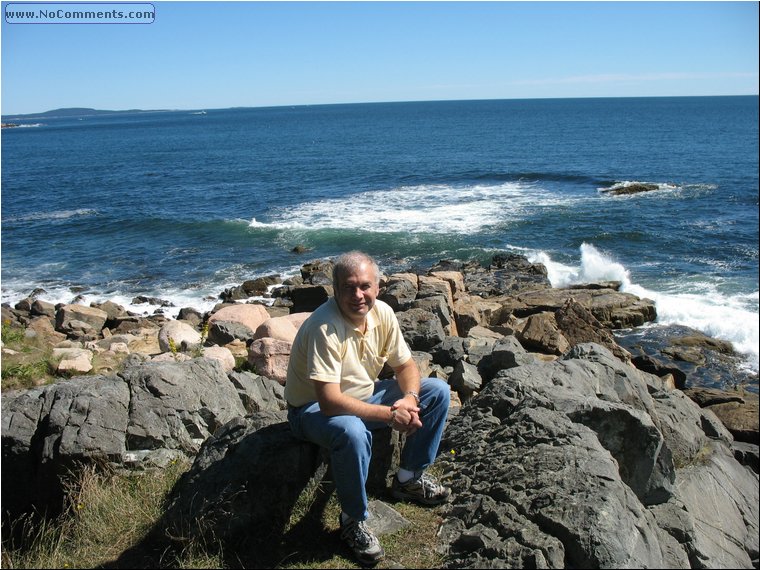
(422, 489)
(362, 541)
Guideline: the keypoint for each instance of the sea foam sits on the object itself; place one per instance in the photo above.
(54, 215)
(428, 208)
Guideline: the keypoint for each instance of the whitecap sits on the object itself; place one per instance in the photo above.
(594, 267)
(284, 225)
(427, 208)
(54, 215)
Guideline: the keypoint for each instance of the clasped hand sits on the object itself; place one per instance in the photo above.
(407, 417)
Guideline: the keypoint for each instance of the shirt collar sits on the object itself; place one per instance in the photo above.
(372, 320)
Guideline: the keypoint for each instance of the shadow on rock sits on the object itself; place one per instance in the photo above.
(240, 490)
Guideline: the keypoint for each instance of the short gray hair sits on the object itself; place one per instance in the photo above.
(350, 262)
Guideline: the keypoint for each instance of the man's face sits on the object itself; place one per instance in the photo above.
(356, 293)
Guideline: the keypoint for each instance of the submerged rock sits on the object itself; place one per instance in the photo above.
(631, 188)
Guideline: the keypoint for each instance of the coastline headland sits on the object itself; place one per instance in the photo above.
(564, 448)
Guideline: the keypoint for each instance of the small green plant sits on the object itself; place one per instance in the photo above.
(701, 457)
(173, 348)
(198, 352)
(26, 372)
(244, 365)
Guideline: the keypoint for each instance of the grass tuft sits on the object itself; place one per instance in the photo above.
(106, 515)
(27, 361)
(111, 519)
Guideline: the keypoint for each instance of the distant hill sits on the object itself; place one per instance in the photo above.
(74, 112)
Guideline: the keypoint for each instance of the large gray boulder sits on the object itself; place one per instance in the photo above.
(422, 329)
(132, 419)
(178, 405)
(246, 479)
(48, 431)
(587, 462)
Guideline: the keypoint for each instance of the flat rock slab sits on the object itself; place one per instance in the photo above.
(384, 519)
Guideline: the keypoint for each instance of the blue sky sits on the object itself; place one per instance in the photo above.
(205, 55)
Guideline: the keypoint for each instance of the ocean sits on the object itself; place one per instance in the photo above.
(183, 204)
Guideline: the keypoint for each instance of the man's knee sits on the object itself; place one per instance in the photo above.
(435, 390)
(352, 433)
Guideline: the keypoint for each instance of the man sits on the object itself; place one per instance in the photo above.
(335, 400)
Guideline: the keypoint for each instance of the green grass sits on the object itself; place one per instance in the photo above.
(105, 515)
(28, 362)
(12, 335)
(109, 519)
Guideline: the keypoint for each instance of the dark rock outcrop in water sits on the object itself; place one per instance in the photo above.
(693, 358)
(632, 188)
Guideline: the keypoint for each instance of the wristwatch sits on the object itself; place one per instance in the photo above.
(415, 394)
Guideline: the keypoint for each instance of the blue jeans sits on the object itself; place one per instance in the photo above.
(349, 438)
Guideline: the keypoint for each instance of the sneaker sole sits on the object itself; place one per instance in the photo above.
(369, 561)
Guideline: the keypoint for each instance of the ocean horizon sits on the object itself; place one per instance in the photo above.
(183, 204)
(76, 112)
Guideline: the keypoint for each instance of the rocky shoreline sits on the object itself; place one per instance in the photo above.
(544, 399)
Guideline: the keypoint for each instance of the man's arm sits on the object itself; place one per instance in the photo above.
(408, 378)
(406, 418)
(333, 402)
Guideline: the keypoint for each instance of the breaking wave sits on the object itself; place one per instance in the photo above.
(727, 317)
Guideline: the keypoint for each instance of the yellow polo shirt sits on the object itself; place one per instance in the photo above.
(329, 348)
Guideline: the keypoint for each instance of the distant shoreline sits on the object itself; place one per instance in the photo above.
(68, 112)
(74, 112)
